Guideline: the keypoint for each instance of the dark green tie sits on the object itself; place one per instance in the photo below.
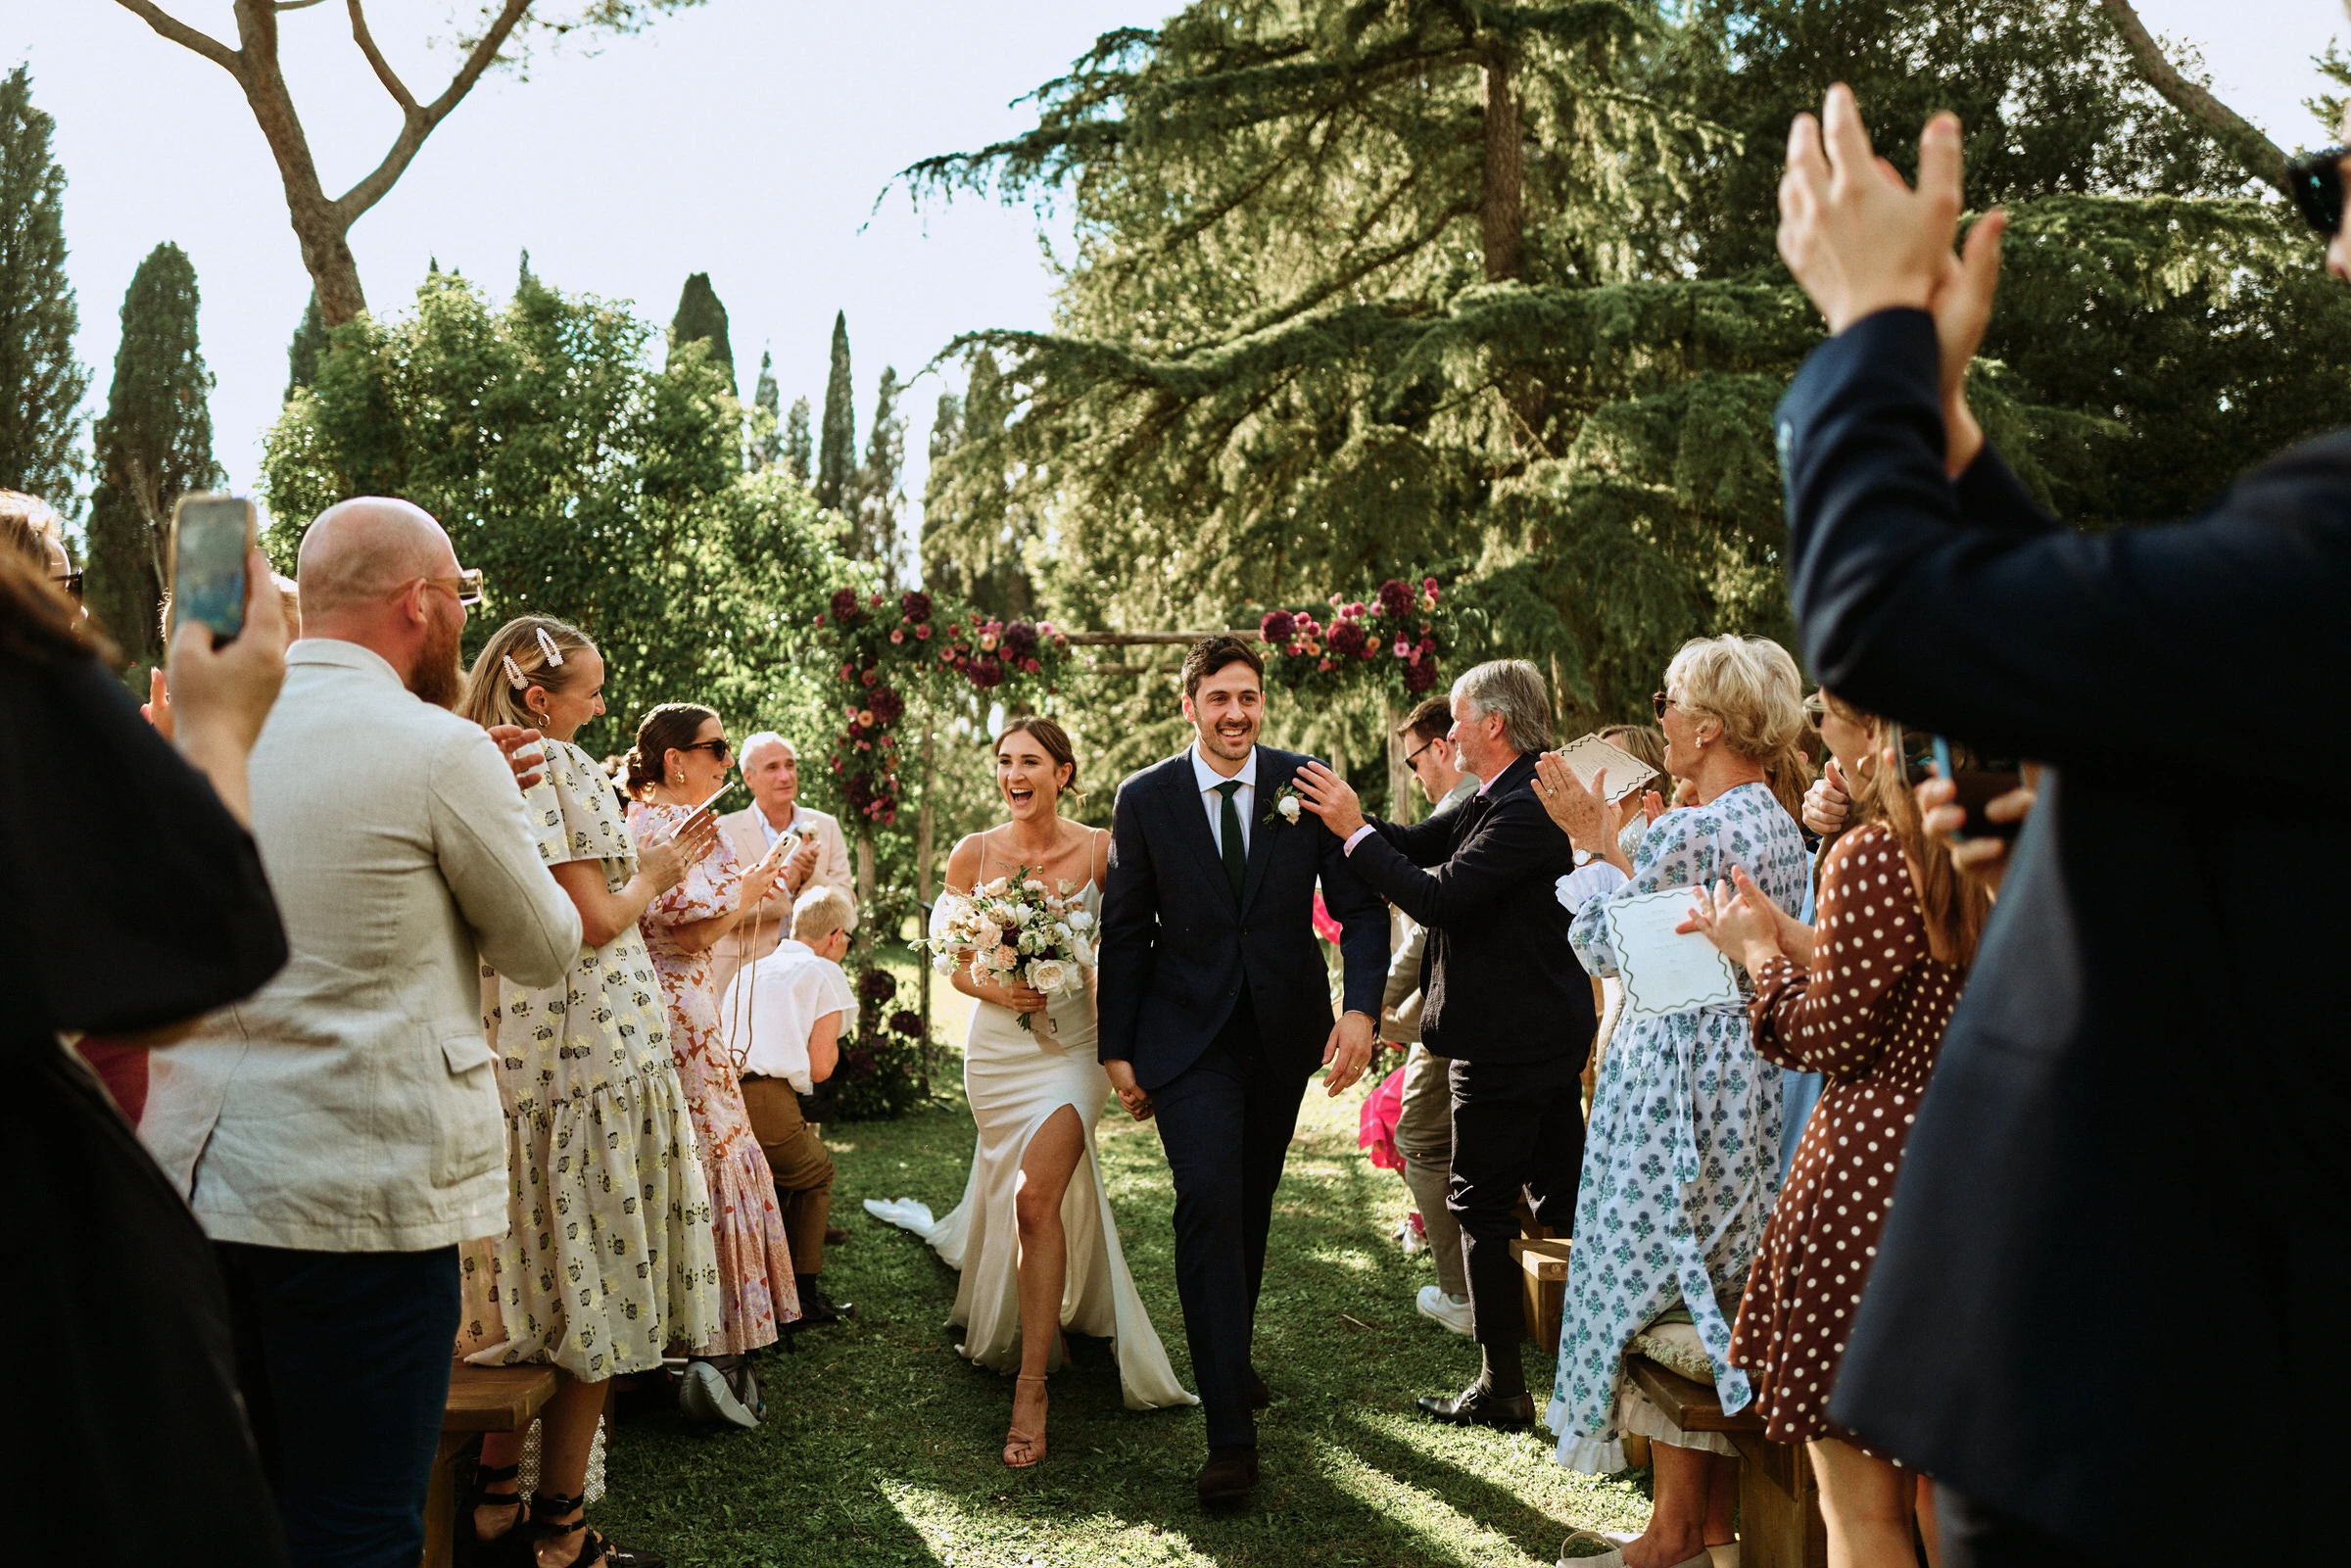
(1228, 829)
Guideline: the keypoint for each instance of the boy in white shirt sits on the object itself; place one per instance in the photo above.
(784, 1016)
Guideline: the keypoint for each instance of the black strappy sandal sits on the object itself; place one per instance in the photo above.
(476, 1550)
(596, 1547)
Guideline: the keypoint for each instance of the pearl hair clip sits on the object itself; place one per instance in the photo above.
(514, 674)
(547, 646)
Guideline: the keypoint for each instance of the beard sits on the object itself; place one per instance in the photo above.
(437, 677)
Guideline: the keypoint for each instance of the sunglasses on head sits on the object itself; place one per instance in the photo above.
(2317, 183)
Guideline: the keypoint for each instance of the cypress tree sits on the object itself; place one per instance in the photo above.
(769, 444)
(799, 446)
(154, 445)
(977, 530)
(701, 318)
(878, 496)
(40, 384)
(302, 355)
(836, 450)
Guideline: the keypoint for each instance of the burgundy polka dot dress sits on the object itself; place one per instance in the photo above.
(1868, 1015)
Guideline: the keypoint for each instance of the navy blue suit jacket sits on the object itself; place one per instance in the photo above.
(2119, 1225)
(1501, 982)
(1176, 949)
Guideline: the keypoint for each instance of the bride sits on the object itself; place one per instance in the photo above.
(1033, 1235)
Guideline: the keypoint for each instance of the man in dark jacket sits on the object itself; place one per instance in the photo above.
(1507, 1001)
(2118, 1225)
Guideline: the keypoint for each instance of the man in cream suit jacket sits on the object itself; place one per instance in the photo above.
(771, 766)
(339, 1132)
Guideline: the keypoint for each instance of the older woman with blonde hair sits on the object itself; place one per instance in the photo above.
(1680, 1164)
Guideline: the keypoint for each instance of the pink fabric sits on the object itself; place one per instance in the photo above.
(1324, 927)
(122, 1068)
(1377, 1128)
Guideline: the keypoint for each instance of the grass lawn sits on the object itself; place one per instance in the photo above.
(882, 1443)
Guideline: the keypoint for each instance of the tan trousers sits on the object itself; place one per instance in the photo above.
(802, 1167)
(1424, 1137)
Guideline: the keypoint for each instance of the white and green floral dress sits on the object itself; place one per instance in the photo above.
(607, 1260)
(1681, 1153)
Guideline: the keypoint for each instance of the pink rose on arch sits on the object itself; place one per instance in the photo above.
(897, 633)
(1325, 666)
(849, 672)
(922, 634)
(1404, 650)
(873, 676)
(1032, 667)
(876, 601)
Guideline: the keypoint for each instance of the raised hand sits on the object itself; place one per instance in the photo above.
(1827, 803)
(1981, 860)
(1588, 818)
(157, 709)
(521, 749)
(1857, 238)
(1329, 797)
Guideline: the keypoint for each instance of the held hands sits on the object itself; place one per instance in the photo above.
(1348, 1051)
(1131, 1094)
(1332, 798)
(523, 755)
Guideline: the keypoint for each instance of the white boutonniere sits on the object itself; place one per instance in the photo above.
(1286, 805)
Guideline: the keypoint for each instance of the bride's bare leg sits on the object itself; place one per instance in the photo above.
(1045, 1168)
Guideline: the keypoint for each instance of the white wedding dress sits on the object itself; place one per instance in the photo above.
(1015, 1080)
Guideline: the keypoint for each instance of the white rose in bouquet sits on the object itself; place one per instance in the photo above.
(1049, 975)
(1080, 920)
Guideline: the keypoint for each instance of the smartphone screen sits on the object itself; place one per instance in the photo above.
(209, 536)
(1917, 751)
(1979, 781)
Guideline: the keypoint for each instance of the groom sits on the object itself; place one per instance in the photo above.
(1215, 1008)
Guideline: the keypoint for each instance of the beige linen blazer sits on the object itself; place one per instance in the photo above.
(742, 832)
(351, 1104)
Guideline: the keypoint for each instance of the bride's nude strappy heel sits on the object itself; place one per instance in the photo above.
(1025, 1449)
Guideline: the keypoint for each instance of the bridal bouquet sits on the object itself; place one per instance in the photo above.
(1018, 932)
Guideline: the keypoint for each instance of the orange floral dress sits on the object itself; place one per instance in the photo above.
(757, 1293)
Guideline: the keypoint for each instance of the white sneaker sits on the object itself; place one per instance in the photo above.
(1451, 1310)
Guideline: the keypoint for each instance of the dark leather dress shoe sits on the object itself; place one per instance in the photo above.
(835, 1235)
(1260, 1395)
(1479, 1405)
(1227, 1476)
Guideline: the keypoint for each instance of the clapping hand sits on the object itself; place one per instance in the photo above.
(1740, 920)
(1828, 802)
(666, 859)
(1329, 797)
(798, 869)
(521, 749)
(1588, 816)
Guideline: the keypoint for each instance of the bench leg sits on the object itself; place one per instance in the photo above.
(1780, 1524)
(441, 1500)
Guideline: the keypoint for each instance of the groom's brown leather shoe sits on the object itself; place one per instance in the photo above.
(1260, 1395)
(1479, 1405)
(1227, 1476)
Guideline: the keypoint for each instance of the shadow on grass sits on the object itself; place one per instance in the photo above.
(882, 1445)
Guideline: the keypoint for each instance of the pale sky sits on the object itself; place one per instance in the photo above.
(746, 139)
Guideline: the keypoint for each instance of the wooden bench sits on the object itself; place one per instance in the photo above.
(481, 1399)
(1779, 1507)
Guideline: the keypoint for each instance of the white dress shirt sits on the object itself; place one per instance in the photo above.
(770, 1009)
(351, 1104)
(1244, 799)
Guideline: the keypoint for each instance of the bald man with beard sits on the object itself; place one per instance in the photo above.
(339, 1132)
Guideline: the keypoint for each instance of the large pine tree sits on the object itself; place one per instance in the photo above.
(1360, 290)
(154, 445)
(837, 443)
(702, 318)
(40, 384)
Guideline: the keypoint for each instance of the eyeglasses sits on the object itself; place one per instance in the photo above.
(718, 748)
(465, 588)
(2317, 183)
(71, 582)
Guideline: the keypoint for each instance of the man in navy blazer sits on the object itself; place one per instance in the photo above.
(2119, 1227)
(1509, 1004)
(1215, 1008)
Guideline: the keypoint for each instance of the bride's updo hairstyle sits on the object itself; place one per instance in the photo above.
(1056, 741)
(1750, 686)
(667, 728)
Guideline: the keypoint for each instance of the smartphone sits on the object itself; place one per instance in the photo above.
(1980, 780)
(210, 536)
(1917, 751)
(724, 791)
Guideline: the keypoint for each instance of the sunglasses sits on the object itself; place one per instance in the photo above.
(2317, 183)
(1412, 758)
(465, 588)
(718, 748)
(1658, 702)
(71, 582)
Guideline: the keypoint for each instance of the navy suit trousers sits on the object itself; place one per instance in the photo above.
(1226, 1123)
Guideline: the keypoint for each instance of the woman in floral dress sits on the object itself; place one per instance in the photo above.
(607, 1258)
(681, 760)
(1681, 1151)
(1862, 1000)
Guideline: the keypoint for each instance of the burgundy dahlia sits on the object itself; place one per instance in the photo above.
(845, 606)
(1395, 598)
(877, 986)
(889, 707)
(984, 673)
(908, 1023)
(1019, 640)
(1347, 637)
(915, 605)
(1279, 626)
